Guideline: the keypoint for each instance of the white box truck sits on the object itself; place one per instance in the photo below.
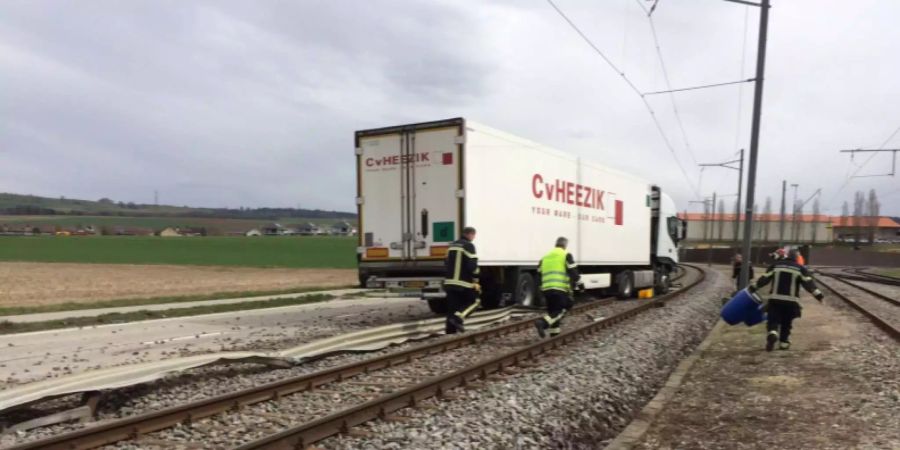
(418, 185)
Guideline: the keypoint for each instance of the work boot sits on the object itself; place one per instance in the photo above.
(771, 339)
(784, 345)
(459, 324)
(540, 325)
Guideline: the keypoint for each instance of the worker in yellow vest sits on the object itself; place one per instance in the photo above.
(558, 276)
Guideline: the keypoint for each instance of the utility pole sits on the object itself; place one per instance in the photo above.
(737, 203)
(705, 203)
(794, 213)
(754, 138)
(815, 214)
(709, 253)
(740, 169)
(781, 230)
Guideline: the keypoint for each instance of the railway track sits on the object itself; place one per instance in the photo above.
(440, 386)
(856, 274)
(882, 310)
(878, 278)
(377, 387)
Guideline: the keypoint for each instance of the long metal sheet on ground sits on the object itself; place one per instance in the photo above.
(122, 376)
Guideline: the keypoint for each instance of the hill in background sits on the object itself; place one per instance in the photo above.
(27, 213)
(31, 205)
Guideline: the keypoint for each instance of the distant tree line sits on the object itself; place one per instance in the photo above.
(28, 210)
(138, 210)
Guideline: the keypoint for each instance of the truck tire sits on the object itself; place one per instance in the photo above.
(663, 282)
(438, 305)
(363, 277)
(490, 297)
(624, 285)
(526, 292)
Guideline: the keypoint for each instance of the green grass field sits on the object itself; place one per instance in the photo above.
(289, 251)
(888, 272)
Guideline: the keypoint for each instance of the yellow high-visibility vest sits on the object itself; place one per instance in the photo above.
(553, 271)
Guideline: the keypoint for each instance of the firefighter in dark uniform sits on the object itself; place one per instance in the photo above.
(558, 276)
(461, 281)
(784, 278)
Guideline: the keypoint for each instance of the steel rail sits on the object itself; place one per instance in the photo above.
(855, 274)
(878, 278)
(879, 295)
(341, 422)
(134, 426)
(876, 319)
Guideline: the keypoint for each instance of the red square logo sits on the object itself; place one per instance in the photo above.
(619, 212)
(447, 158)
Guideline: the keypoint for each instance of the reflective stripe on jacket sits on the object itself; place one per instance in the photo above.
(461, 265)
(784, 279)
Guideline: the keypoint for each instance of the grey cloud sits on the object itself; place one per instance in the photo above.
(228, 103)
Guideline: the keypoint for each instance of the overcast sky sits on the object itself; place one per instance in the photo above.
(238, 103)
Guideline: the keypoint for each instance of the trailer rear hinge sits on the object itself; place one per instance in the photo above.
(461, 193)
(358, 151)
(360, 200)
(459, 140)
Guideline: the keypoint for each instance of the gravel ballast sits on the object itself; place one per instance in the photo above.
(580, 397)
(216, 380)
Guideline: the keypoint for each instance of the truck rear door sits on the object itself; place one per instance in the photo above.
(409, 191)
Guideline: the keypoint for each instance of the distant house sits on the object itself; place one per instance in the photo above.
(45, 229)
(882, 229)
(309, 229)
(16, 230)
(132, 231)
(27, 230)
(253, 232)
(343, 229)
(193, 231)
(169, 232)
(272, 229)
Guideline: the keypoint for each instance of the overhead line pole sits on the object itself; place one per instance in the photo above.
(737, 204)
(740, 169)
(893, 159)
(781, 229)
(754, 137)
(712, 232)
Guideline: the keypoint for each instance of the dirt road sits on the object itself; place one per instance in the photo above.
(31, 284)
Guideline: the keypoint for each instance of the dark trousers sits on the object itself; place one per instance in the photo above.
(458, 300)
(781, 317)
(557, 302)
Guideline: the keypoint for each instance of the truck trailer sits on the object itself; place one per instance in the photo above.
(418, 185)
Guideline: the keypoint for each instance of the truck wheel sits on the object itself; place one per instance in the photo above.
(438, 305)
(363, 277)
(526, 294)
(490, 297)
(624, 285)
(663, 282)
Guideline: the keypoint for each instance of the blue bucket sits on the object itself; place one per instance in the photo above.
(743, 307)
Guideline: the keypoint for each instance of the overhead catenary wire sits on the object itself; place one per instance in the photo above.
(860, 167)
(702, 86)
(740, 104)
(665, 72)
(637, 91)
